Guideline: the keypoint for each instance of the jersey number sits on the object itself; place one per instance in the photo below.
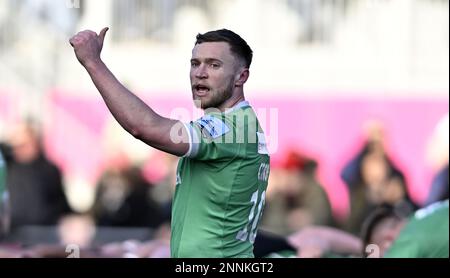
(253, 218)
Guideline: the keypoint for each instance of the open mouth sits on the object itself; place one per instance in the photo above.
(201, 90)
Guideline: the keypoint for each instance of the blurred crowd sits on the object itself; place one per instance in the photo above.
(297, 208)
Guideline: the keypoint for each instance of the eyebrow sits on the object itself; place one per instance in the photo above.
(207, 60)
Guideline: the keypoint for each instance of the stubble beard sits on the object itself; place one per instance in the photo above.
(217, 98)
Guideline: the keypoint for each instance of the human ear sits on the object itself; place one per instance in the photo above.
(241, 77)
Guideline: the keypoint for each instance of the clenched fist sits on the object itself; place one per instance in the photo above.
(88, 45)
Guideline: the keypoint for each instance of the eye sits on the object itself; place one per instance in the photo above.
(215, 65)
(194, 64)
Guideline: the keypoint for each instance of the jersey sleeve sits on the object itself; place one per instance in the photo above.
(403, 248)
(209, 138)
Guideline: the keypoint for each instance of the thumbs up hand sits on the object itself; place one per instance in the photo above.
(88, 45)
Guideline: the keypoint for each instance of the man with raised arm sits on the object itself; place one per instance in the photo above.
(222, 175)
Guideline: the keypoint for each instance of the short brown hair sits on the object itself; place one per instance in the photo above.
(238, 45)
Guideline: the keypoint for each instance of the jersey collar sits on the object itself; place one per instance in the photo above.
(239, 105)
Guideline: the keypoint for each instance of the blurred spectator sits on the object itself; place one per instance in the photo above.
(437, 156)
(373, 179)
(414, 240)
(76, 229)
(124, 197)
(35, 184)
(439, 187)
(297, 196)
(380, 229)
(389, 232)
(164, 188)
(4, 202)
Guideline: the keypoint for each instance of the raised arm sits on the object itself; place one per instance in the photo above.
(132, 113)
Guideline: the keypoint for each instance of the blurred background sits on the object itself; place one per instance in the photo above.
(353, 95)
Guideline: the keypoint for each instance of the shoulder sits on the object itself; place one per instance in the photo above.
(213, 126)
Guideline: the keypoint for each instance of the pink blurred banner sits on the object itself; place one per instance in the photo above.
(7, 113)
(329, 131)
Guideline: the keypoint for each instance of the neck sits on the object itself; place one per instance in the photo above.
(231, 102)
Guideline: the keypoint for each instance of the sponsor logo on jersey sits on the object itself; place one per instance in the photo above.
(262, 146)
(212, 127)
(263, 172)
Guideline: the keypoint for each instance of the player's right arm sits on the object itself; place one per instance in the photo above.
(132, 113)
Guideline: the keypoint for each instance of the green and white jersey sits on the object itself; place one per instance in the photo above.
(221, 185)
(425, 235)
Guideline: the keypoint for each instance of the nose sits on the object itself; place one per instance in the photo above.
(201, 72)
